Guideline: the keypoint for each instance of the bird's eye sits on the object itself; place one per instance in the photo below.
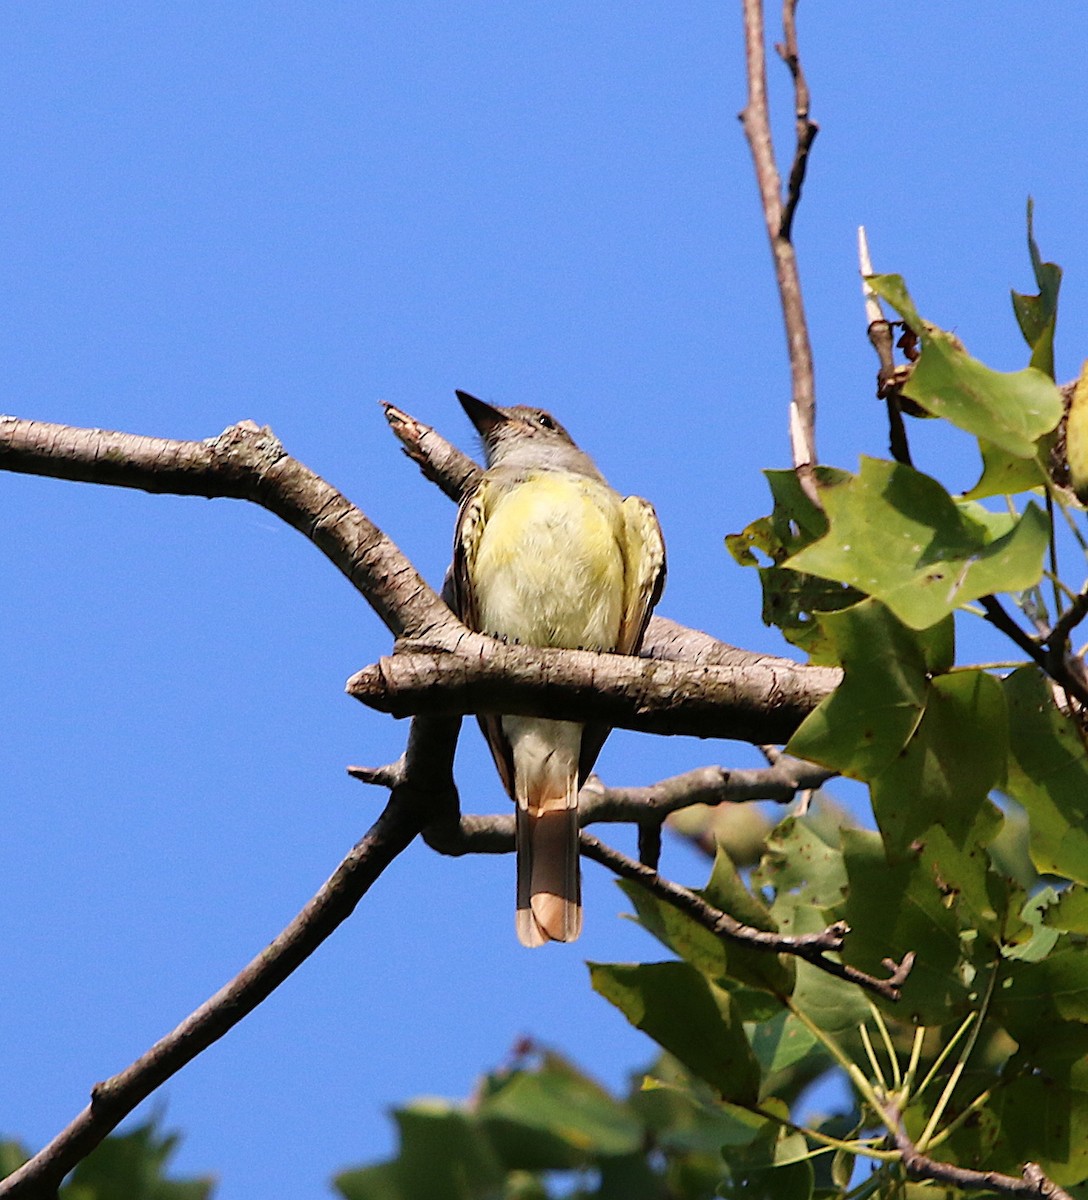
(544, 421)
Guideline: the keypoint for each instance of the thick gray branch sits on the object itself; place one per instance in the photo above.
(764, 701)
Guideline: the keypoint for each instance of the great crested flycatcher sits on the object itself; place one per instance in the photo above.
(547, 554)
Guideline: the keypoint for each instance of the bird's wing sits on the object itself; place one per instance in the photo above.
(458, 591)
(643, 581)
(460, 595)
(644, 576)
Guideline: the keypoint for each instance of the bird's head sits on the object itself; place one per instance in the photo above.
(521, 436)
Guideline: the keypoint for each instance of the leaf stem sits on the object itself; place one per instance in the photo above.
(886, 1037)
(871, 1054)
(939, 1062)
(922, 1144)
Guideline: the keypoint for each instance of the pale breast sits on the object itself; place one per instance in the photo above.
(549, 570)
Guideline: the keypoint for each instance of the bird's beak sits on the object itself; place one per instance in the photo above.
(486, 419)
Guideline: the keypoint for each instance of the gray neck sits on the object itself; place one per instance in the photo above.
(539, 454)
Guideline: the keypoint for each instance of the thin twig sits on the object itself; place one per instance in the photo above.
(879, 330)
(806, 128)
(757, 128)
(1032, 1182)
(812, 947)
(1054, 665)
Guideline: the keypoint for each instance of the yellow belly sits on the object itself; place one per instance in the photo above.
(549, 569)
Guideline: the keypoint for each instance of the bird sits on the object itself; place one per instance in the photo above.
(547, 554)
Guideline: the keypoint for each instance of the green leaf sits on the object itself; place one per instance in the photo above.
(756, 968)
(771, 1168)
(724, 962)
(957, 753)
(1042, 938)
(800, 860)
(684, 1122)
(133, 1165)
(906, 905)
(791, 598)
(1037, 315)
(566, 1106)
(1045, 1120)
(1048, 775)
(1011, 410)
(688, 1016)
(12, 1157)
(1005, 474)
(1070, 913)
(896, 534)
(870, 717)
(1036, 999)
(628, 1178)
(681, 934)
(379, 1182)
(782, 1042)
(443, 1152)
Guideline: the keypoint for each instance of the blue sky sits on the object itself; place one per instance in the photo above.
(287, 212)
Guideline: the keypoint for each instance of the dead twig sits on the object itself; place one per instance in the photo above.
(778, 216)
(1032, 1182)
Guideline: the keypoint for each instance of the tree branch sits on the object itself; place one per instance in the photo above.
(249, 463)
(410, 808)
(806, 128)
(812, 947)
(779, 221)
(473, 673)
(710, 785)
(1032, 1183)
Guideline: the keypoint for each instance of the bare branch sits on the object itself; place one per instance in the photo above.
(247, 463)
(440, 461)
(889, 378)
(704, 785)
(806, 128)
(1032, 1183)
(1053, 662)
(812, 947)
(474, 673)
(710, 785)
(779, 219)
(408, 810)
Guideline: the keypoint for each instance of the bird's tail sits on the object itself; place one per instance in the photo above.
(549, 872)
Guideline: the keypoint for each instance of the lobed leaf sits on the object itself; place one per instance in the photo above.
(898, 536)
(1048, 775)
(1011, 410)
(689, 1017)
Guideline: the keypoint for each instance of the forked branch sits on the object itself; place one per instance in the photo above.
(1031, 1185)
(778, 214)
